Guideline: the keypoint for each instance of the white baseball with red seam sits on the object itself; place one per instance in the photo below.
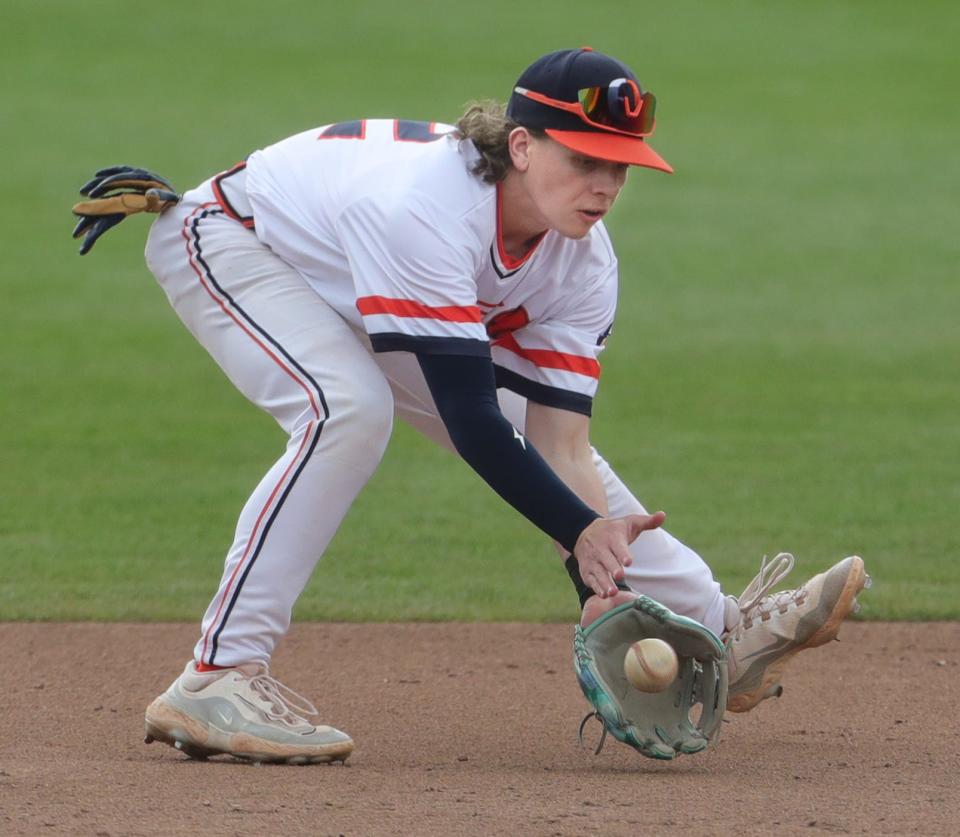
(650, 665)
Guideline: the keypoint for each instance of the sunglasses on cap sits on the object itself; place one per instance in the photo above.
(619, 106)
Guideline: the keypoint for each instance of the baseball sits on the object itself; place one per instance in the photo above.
(650, 665)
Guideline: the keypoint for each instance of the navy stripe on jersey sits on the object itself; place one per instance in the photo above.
(562, 399)
(345, 130)
(496, 267)
(397, 342)
(318, 391)
(405, 130)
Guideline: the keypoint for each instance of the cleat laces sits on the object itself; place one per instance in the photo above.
(755, 603)
(286, 705)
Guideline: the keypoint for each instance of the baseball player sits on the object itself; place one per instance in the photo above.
(459, 278)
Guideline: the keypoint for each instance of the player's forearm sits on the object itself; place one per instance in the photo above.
(465, 395)
(563, 439)
(577, 470)
(517, 472)
(581, 477)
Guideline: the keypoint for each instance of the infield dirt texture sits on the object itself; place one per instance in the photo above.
(471, 730)
(783, 375)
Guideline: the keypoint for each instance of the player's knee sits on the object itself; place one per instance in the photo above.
(363, 421)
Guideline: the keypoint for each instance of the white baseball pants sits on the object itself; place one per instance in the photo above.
(292, 355)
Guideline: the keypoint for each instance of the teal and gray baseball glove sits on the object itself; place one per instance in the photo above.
(686, 716)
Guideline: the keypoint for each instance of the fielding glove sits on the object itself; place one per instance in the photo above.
(115, 193)
(686, 716)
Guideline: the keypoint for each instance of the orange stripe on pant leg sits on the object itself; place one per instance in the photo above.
(253, 535)
(232, 315)
(253, 538)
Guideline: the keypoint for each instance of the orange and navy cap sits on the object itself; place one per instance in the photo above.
(590, 103)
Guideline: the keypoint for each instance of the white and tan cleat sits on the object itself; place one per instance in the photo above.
(774, 626)
(242, 712)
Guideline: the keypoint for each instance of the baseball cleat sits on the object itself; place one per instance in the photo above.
(775, 626)
(242, 712)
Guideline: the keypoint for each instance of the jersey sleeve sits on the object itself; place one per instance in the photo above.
(555, 361)
(414, 274)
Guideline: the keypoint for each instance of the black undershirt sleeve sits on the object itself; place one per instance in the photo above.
(464, 390)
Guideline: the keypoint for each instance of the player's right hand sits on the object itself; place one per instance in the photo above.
(603, 549)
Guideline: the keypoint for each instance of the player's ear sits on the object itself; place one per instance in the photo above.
(520, 142)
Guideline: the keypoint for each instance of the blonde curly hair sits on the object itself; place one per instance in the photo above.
(486, 124)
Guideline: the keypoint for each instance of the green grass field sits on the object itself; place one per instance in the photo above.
(785, 371)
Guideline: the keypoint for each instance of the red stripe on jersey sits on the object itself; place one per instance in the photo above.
(547, 359)
(408, 308)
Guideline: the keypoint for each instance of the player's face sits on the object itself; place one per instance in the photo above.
(569, 192)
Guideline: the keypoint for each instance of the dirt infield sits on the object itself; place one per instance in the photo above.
(471, 729)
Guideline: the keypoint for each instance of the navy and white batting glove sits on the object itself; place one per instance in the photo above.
(113, 194)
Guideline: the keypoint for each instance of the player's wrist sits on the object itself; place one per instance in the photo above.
(584, 593)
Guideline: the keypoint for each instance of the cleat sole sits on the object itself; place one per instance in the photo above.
(194, 739)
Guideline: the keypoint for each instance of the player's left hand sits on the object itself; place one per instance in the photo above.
(114, 193)
(603, 549)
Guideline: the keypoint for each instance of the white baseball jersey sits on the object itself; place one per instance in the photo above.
(389, 232)
(386, 222)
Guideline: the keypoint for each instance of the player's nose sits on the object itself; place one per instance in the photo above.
(609, 180)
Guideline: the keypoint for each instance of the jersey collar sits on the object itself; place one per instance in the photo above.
(506, 261)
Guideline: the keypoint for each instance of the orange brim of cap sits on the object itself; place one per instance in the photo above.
(617, 148)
